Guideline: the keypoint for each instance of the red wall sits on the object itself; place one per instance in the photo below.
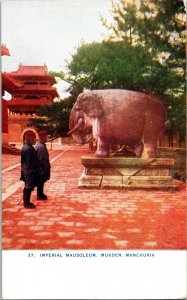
(4, 116)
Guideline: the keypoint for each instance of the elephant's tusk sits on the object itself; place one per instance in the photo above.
(79, 123)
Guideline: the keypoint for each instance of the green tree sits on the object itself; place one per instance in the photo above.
(119, 65)
(113, 65)
(54, 119)
(59, 74)
(159, 27)
(75, 88)
(125, 26)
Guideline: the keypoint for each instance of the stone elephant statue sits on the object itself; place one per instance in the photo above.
(117, 116)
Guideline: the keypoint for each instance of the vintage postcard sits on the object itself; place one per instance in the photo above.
(93, 149)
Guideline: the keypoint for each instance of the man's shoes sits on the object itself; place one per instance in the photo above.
(26, 198)
(29, 205)
(42, 197)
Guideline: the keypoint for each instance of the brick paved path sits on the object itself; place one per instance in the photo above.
(75, 218)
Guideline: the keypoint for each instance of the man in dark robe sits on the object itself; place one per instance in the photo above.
(43, 157)
(29, 168)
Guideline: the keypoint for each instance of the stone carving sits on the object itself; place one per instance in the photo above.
(118, 117)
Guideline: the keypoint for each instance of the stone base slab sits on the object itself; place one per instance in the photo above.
(112, 182)
(151, 171)
(90, 161)
(89, 181)
(126, 173)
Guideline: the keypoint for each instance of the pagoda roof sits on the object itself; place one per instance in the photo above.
(32, 71)
(9, 84)
(20, 105)
(38, 90)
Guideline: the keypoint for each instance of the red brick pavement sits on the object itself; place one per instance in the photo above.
(75, 218)
(11, 172)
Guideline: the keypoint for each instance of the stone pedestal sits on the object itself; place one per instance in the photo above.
(152, 173)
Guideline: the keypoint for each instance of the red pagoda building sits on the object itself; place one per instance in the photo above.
(35, 90)
(7, 84)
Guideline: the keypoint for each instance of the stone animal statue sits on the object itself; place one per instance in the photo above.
(117, 116)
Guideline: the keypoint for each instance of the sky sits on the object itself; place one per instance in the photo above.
(39, 32)
(48, 31)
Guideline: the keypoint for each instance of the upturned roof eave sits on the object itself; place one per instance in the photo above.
(9, 84)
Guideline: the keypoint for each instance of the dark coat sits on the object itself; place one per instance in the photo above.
(29, 166)
(43, 157)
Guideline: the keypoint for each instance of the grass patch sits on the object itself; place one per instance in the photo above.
(179, 156)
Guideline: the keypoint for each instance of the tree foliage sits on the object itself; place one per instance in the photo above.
(159, 26)
(124, 27)
(59, 74)
(116, 65)
(54, 118)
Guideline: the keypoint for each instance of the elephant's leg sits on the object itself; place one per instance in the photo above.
(158, 153)
(102, 148)
(139, 149)
(151, 147)
(154, 128)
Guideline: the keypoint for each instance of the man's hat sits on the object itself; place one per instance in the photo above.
(42, 132)
(29, 133)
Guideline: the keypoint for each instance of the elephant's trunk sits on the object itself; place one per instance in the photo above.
(77, 126)
(79, 133)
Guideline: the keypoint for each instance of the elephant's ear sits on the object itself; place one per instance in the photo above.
(92, 105)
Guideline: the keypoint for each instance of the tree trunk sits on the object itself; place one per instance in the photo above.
(130, 37)
(171, 139)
